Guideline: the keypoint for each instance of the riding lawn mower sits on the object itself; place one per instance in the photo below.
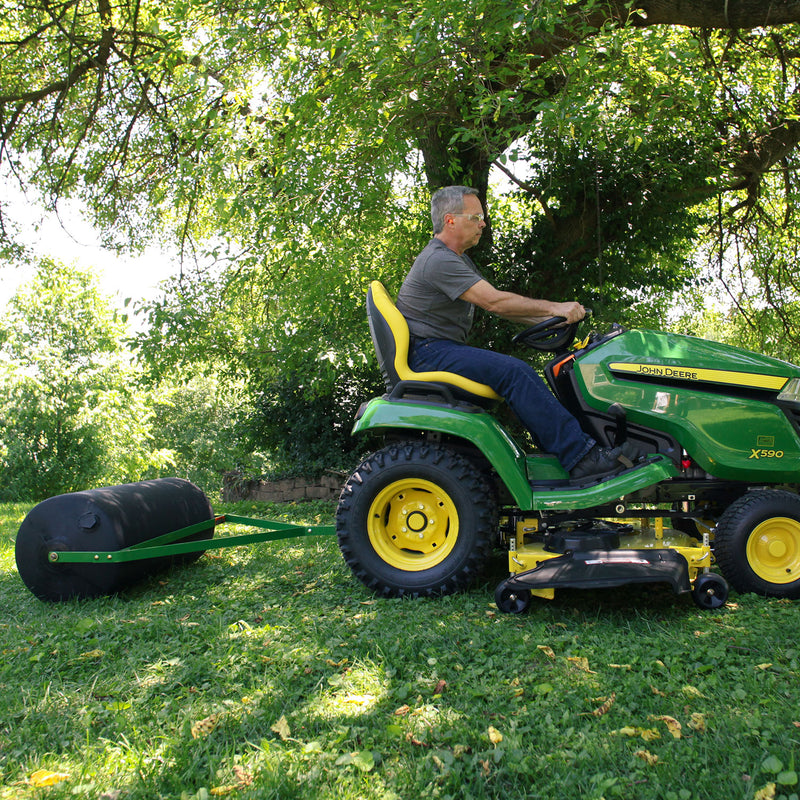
(714, 487)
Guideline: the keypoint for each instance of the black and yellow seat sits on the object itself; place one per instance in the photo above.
(391, 338)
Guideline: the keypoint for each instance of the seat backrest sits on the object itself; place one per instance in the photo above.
(389, 331)
(390, 337)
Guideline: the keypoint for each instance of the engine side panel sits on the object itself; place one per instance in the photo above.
(717, 401)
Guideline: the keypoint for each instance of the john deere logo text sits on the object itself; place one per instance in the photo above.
(750, 380)
(666, 372)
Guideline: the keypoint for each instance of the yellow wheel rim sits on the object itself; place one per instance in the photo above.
(773, 550)
(413, 524)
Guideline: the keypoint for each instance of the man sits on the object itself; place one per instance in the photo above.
(438, 299)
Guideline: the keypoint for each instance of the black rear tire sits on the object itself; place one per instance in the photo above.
(416, 520)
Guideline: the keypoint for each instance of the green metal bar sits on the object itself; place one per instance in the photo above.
(270, 524)
(181, 533)
(166, 545)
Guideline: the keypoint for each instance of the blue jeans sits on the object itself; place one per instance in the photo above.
(553, 428)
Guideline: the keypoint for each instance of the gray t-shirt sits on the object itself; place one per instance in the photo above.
(428, 298)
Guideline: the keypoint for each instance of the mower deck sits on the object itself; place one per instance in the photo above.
(619, 553)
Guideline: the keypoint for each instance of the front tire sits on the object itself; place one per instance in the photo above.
(416, 519)
(757, 543)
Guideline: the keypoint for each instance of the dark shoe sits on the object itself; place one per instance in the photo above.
(628, 454)
(600, 461)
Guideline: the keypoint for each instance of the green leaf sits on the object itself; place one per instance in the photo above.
(361, 759)
(787, 778)
(772, 764)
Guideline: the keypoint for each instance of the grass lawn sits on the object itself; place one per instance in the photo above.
(269, 672)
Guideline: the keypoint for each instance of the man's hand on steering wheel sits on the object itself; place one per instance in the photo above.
(552, 335)
(571, 311)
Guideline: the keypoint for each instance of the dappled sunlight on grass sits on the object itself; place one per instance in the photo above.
(355, 692)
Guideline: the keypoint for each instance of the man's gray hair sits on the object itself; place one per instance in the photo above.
(448, 200)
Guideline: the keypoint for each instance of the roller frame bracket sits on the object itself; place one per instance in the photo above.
(169, 544)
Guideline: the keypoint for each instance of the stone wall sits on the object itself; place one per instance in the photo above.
(324, 487)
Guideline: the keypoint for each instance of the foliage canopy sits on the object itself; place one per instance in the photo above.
(69, 414)
(288, 147)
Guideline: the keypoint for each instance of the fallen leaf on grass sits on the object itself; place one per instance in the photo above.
(698, 722)
(767, 793)
(244, 777)
(43, 777)
(203, 727)
(548, 651)
(649, 758)
(606, 707)
(692, 692)
(648, 734)
(402, 711)
(495, 737)
(440, 687)
(281, 728)
(657, 691)
(673, 726)
(221, 791)
(764, 666)
(626, 667)
(580, 663)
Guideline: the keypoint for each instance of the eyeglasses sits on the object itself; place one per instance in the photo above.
(471, 217)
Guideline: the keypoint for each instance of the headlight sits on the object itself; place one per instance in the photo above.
(791, 392)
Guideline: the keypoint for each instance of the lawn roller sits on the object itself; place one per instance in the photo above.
(715, 486)
(100, 541)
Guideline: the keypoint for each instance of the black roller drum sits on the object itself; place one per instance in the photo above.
(106, 519)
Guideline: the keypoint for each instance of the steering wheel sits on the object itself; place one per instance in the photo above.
(549, 335)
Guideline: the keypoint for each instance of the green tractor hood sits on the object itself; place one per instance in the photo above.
(735, 412)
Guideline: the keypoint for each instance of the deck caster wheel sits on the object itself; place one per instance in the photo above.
(710, 591)
(512, 601)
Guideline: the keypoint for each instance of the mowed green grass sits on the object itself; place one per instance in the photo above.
(269, 672)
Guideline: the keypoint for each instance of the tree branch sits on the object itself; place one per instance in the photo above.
(727, 14)
(96, 61)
